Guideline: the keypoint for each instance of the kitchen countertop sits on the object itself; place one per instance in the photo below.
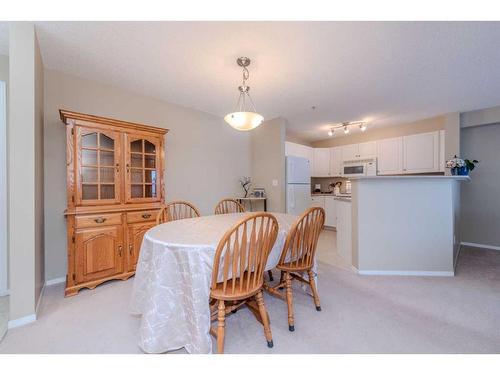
(412, 177)
(343, 199)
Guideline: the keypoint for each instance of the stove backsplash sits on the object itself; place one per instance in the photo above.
(326, 181)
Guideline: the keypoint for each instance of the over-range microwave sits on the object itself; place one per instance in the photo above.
(360, 167)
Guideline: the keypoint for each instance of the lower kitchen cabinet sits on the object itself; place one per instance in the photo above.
(330, 212)
(329, 204)
(98, 253)
(318, 201)
(135, 235)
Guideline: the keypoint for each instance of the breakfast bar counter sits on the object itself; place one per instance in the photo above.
(406, 225)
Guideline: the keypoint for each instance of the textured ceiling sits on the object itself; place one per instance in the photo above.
(385, 72)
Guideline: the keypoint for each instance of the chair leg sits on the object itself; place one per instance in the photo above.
(312, 284)
(221, 315)
(270, 274)
(265, 319)
(289, 301)
(282, 278)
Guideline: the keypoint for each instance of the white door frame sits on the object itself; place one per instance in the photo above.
(3, 191)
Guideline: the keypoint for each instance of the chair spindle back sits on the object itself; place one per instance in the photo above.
(228, 206)
(300, 245)
(241, 256)
(177, 210)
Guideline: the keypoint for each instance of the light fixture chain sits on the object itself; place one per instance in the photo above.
(246, 75)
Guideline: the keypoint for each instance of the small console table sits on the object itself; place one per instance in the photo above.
(250, 200)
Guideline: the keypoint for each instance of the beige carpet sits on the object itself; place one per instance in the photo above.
(361, 314)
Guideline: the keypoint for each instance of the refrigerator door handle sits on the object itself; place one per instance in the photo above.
(291, 197)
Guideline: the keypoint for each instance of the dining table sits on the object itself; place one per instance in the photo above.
(171, 290)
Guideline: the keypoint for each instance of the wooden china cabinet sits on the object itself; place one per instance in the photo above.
(115, 186)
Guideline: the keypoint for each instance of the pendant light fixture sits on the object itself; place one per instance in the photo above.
(244, 118)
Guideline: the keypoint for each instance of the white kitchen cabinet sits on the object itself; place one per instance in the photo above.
(442, 161)
(318, 201)
(367, 150)
(390, 156)
(359, 151)
(350, 152)
(321, 163)
(421, 153)
(336, 161)
(330, 211)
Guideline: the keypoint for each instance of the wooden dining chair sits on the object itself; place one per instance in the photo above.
(228, 206)
(176, 210)
(297, 257)
(238, 272)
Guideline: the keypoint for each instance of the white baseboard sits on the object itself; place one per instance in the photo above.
(31, 318)
(482, 246)
(58, 280)
(406, 273)
(21, 321)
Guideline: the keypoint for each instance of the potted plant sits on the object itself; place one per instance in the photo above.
(246, 182)
(461, 167)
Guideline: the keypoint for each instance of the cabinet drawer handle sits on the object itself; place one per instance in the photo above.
(130, 249)
(146, 216)
(120, 250)
(100, 220)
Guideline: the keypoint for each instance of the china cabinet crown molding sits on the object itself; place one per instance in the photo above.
(115, 187)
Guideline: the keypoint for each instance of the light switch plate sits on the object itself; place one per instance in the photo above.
(275, 182)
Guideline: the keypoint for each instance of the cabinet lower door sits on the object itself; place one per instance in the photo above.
(135, 235)
(98, 253)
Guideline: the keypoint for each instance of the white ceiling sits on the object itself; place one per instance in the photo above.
(385, 72)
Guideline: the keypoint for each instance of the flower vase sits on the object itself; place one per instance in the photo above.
(454, 171)
(463, 171)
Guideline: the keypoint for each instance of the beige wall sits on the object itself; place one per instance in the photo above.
(422, 126)
(4, 76)
(204, 156)
(486, 116)
(24, 175)
(4, 68)
(292, 137)
(268, 162)
(39, 175)
(451, 137)
(480, 216)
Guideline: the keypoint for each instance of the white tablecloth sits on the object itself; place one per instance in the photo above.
(172, 281)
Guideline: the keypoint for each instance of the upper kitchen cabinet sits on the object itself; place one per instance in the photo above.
(421, 153)
(367, 150)
(390, 156)
(321, 163)
(336, 161)
(359, 151)
(350, 152)
(302, 151)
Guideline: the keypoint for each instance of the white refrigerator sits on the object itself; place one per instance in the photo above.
(298, 185)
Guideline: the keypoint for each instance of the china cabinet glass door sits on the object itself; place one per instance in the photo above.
(143, 168)
(98, 167)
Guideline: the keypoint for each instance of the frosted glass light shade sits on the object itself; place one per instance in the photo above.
(244, 120)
